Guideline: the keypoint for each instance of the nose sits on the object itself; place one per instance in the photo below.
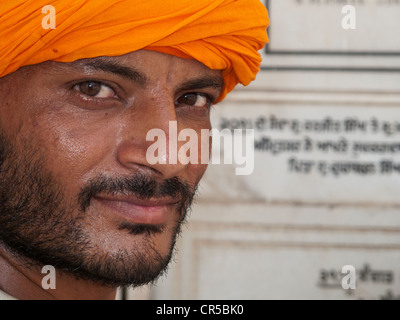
(149, 134)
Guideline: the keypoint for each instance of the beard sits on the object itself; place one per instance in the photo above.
(40, 226)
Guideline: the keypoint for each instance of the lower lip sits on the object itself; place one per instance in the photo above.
(156, 215)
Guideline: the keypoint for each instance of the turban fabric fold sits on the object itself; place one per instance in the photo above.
(222, 34)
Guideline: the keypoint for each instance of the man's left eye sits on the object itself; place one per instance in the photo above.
(199, 100)
(95, 89)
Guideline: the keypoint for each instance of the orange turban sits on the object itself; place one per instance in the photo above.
(222, 34)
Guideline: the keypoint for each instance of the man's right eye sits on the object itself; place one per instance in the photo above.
(95, 89)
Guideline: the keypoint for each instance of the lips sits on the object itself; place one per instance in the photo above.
(135, 210)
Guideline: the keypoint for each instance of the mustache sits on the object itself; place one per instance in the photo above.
(140, 185)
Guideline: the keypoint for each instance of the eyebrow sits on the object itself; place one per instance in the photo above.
(139, 78)
(203, 82)
(119, 70)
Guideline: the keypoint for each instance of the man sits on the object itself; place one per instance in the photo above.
(81, 84)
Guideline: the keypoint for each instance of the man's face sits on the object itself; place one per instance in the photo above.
(76, 190)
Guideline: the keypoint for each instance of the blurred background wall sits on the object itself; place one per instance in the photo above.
(324, 193)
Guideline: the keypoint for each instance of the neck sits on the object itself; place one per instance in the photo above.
(24, 281)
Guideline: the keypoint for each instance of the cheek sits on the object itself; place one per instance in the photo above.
(73, 147)
(200, 171)
(194, 173)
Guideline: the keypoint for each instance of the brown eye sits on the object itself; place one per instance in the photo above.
(95, 89)
(194, 99)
